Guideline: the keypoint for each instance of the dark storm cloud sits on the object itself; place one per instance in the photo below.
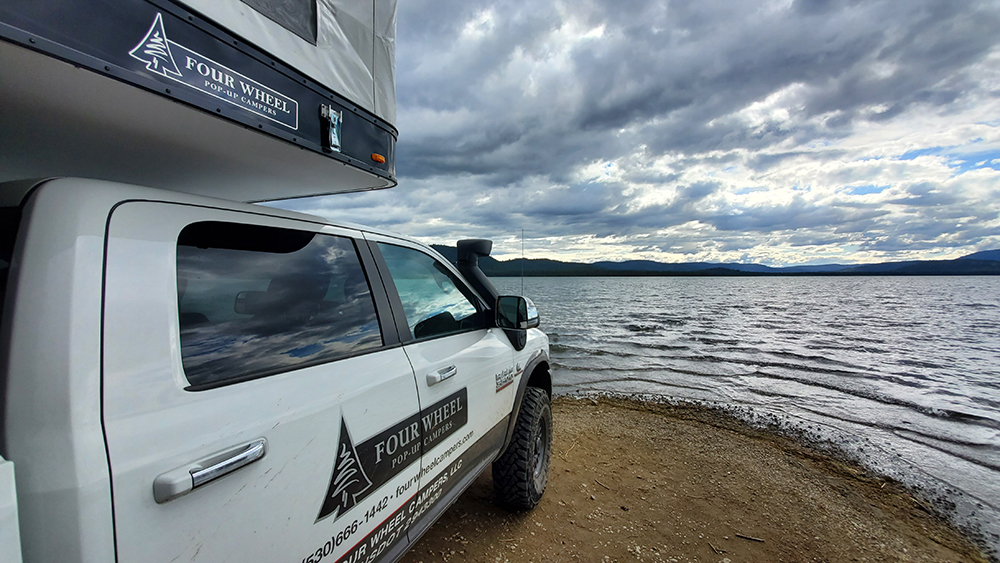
(670, 70)
(925, 194)
(798, 214)
(817, 239)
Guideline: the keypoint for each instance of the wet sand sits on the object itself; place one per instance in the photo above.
(633, 481)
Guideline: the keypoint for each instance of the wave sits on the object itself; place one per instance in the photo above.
(643, 328)
(594, 384)
(796, 374)
(961, 450)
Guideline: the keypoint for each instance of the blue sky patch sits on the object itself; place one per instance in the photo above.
(959, 160)
(745, 191)
(976, 160)
(929, 151)
(865, 190)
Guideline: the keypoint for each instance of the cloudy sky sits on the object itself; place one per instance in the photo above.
(775, 131)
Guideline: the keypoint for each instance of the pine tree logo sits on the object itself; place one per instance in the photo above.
(154, 50)
(349, 480)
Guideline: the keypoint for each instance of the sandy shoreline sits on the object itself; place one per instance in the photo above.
(638, 482)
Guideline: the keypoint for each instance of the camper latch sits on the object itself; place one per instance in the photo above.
(331, 120)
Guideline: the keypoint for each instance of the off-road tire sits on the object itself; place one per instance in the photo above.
(520, 474)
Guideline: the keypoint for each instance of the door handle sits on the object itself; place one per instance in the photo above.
(435, 377)
(183, 480)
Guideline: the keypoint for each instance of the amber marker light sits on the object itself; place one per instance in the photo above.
(378, 158)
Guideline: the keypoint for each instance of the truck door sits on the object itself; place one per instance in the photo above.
(464, 371)
(250, 379)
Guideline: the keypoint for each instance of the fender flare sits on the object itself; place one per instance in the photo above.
(540, 358)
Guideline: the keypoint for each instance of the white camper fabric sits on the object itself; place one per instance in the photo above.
(355, 48)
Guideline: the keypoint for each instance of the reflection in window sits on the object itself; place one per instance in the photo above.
(432, 301)
(259, 300)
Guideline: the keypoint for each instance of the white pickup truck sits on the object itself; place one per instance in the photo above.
(186, 376)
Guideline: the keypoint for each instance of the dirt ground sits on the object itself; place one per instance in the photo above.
(638, 482)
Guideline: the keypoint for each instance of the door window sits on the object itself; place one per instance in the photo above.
(433, 300)
(256, 301)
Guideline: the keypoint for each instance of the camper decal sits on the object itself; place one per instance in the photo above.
(155, 51)
(176, 62)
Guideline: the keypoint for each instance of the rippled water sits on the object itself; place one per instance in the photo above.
(899, 373)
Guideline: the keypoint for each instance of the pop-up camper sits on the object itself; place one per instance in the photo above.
(246, 100)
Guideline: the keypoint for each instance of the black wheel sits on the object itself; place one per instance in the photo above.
(520, 474)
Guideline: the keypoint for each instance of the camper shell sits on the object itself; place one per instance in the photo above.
(244, 100)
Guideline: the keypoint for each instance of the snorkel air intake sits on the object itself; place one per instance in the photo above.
(469, 251)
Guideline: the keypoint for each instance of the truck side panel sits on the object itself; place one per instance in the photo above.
(52, 423)
(213, 345)
(10, 536)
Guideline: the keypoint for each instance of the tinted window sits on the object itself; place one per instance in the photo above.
(432, 301)
(10, 220)
(258, 300)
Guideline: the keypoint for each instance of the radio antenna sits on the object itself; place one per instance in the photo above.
(522, 262)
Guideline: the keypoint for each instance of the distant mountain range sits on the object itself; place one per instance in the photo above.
(980, 263)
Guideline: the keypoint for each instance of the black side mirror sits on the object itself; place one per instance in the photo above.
(516, 312)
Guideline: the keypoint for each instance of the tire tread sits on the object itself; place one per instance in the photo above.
(512, 472)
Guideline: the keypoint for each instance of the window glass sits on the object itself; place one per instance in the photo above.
(259, 300)
(10, 220)
(297, 16)
(432, 301)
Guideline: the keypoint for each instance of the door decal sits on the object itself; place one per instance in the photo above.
(360, 470)
(444, 418)
(349, 480)
(392, 528)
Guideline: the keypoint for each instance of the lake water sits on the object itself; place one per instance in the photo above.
(899, 373)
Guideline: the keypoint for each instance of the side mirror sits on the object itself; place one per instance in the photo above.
(514, 311)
